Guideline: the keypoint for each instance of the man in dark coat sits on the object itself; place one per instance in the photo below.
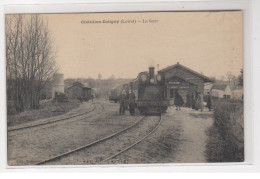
(199, 102)
(132, 103)
(209, 103)
(122, 100)
(178, 101)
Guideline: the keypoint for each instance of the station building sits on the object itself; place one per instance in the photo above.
(184, 80)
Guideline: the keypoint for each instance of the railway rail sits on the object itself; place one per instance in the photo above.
(54, 121)
(55, 158)
(134, 144)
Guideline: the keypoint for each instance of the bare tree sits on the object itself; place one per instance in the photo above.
(14, 25)
(30, 59)
(234, 80)
(230, 77)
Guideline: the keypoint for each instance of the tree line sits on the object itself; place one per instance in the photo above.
(231, 79)
(30, 59)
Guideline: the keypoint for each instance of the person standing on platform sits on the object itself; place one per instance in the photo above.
(92, 97)
(209, 101)
(178, 101)
(199, 102)
(132, 103)
(122, 101)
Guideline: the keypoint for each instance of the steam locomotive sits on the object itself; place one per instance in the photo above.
(151, 93)
(149, 90)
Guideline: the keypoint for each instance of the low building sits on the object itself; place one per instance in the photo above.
(207, 88)
(81, 91)
(221, 91)
(184, 80)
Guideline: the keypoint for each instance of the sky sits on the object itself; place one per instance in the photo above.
(207, 42)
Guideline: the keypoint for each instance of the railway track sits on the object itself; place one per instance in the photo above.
(103, 140)
(54, 121)
(133, 145)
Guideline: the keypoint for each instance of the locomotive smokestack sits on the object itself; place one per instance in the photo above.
(151, 72)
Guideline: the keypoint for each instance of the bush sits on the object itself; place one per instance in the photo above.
(229, 119)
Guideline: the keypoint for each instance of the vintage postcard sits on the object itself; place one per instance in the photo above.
(124, 88)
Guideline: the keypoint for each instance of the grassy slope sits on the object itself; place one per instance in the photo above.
(47, 109)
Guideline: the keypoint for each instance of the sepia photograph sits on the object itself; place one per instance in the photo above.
(124, 88)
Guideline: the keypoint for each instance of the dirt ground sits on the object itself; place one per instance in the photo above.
(99, 152)
(32, 145)
(193, 136)
(181, 137)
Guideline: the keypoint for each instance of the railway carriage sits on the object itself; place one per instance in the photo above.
(116, 92)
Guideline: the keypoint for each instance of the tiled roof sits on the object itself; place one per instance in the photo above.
(178, 65)
(221, 87)
(86, 85)
(83, 85)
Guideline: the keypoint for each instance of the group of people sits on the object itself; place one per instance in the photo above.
(193, 101)
(127, 101)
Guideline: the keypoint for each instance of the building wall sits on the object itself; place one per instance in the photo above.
(77, 92)
(57, 84)
(57, 88)
(217, 93)
(86, 93)
(58, 79)
(74, 92)
(228, 91)
(189, 77)
(190, 83)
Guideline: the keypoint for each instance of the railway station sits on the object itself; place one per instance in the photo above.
(161, 126)
(184, 80)
(89, 94)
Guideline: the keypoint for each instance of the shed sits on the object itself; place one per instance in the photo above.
(78, 90)
(221, 91)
